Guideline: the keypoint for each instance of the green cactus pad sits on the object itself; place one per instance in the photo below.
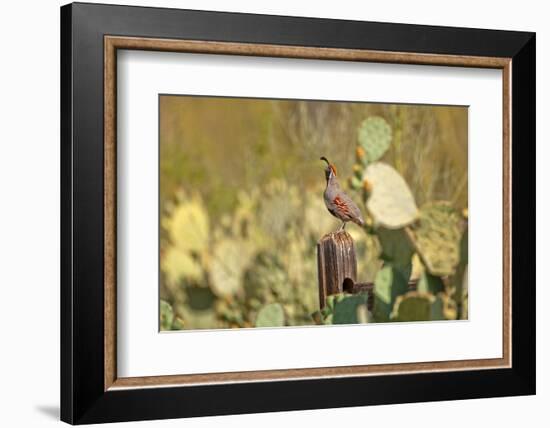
(418, 306)
(166, 315)
(374, 136)
(389, 283)
(429, 283)
(436, 237)
(396, 246)
(333, 299)
(391, 202)
(271, 315)
(351, 309)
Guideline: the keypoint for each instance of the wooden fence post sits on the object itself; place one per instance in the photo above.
(336, 264)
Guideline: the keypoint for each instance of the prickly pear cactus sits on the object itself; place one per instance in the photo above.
(374, 137)
(429, 283)
(389, 283)
(436, 237)
(390, 201)
(188, 231)
(166, 316)
(266, 279)
(230, 312)
(460, 278)
(230, 257)
(418, 306)
(326, 315)
(271, 315)
(188, 226)
(396, 246)
(344, 309)
(179, 265)
(368, 251)
(279, 207)
(352, 309)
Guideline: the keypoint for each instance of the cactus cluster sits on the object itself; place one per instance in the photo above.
(188, 233)
(436, 236)
(390, 202)
(422, 245)
(256, 266)
(344, 309)
(261, 254)
(427, 246)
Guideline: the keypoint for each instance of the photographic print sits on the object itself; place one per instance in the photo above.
(279, 212)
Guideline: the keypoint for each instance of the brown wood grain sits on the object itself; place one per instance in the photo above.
(109, 176)
(296, 374)
(336, 263)
(305, 52)
(112, 43)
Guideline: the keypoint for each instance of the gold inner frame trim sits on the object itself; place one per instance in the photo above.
(113, 43)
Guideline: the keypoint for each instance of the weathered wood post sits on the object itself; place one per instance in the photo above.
(336, 264)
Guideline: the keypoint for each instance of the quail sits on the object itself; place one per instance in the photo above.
(339, 204)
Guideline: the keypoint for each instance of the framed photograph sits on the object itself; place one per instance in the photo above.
(266, 213)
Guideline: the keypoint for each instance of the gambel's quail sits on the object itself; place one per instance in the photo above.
(338, 203)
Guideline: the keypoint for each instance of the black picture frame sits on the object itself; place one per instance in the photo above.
(83, 398)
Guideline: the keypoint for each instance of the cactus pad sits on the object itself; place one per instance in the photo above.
(418, 306)
(178, 266)
(391, 202)
(396, 246)
(436, 237)
(166, 316)
(271, 315)
(266, 279)
(374, 137)
(188, 226)
(351, 309)
(389, 283)
(429, 283)
(229, 260)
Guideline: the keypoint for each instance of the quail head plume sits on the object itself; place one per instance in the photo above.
(338, 203)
